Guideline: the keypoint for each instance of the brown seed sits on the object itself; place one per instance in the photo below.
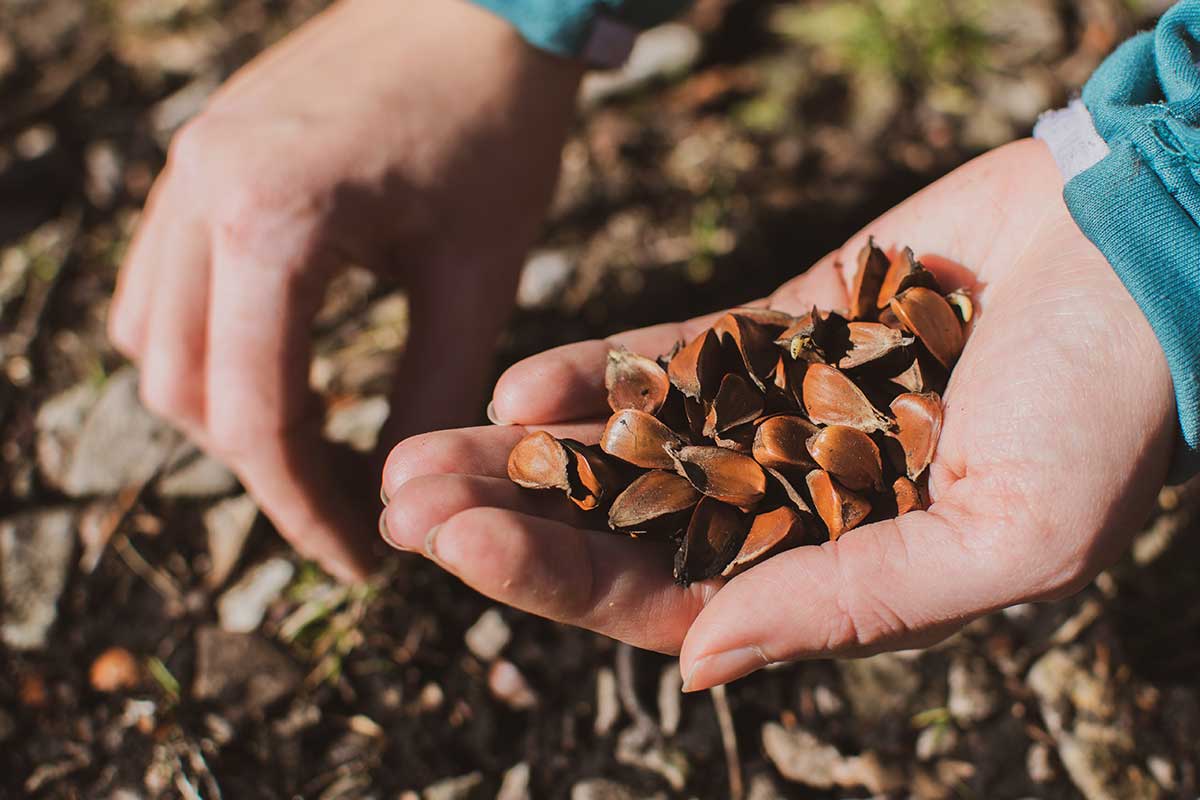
(813, 335)
(634, 381)
(904, 272)
(964, 307)
(926, 313)
(592, 478)
(651, 497)
(849, 455)
(840, 508)
(871, 341)
(908, 496)
(739, 439)
(753, 342)
(717, 472)
(770, 532)
(872, 267)
(831, 398)
(696, 369)
(780, 442)
(736, 403)
(696, 412)
(713, 538)
(913, 378)
(768, 317)
(539, 461)
(919, 424)
(114, 670)
(638, 438)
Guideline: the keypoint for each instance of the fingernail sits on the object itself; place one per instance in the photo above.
(383, 528)
(491, 414)
(724, 667)
(383, 494)
(431, 545)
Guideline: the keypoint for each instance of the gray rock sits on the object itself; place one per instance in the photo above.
(973, 695)
(488, 637)
(880, 685)
(801, 757)
(659, 52)
(195, 475)
(243, 671)
(120, 443)
(227, 525)
(242, 607)
(515, 785)
(59, 423)
(35, 559)
(545, 274)
(357, 423)
(459, 788)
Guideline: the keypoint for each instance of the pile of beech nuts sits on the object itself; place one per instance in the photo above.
(769, 431)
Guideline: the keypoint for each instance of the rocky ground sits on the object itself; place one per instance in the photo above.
(158, 640)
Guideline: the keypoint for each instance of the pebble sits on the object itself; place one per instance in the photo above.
(35, 560)
(543, 278)
(509, 686)
(242, 607)
(801, 757)
(973, 695)
(227, 526)
(196, 476)
(244, 671)
(488, 637)
(515, 785)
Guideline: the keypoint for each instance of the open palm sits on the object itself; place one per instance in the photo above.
(1058, 425)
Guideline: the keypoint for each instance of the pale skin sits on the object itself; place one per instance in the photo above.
(405, 137)
(1058, 428)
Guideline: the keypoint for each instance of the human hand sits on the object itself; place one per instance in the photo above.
(1059, 418)
(418, 139)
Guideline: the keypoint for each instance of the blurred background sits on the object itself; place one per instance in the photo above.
(159, 640)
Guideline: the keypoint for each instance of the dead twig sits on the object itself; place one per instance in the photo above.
(733, 763)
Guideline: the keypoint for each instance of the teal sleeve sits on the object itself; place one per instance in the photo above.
(563, 26)
(1140, 204)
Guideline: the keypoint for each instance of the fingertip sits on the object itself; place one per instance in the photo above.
(562, 384)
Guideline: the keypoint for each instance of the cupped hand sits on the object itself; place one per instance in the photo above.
(418, 139)
(1059, 420)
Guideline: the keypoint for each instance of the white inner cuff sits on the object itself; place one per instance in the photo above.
(1071, 136)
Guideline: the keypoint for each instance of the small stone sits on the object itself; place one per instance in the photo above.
(1163, 771)
(357, 423)
(973, 695)
(114, 670)
(515, 785)
(879, 686)
(608, 703)
(459, 788)
(196, 475)
(800, 756)
(120, 444)
(670, 696)
(543, 278)
(103, 170)
(488, 636)
(242, 607)
(641, 747)
(430, 698)
(243, 671)
(1038, 763)
(35, 559)
(827, 701)
(935, 741)
(509, 686)
(602, 789)
(59, 423)
(227, 525)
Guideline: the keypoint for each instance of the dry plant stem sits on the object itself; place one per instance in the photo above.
(729, 743)
(768, 431)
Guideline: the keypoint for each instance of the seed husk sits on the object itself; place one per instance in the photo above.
(831, 398)
(638, 438)
(912, 378)
(849, 455)
(871, 341)
(767, 317)
(730, 477)
(592, 478)
(636, 382)
(908, 496)
(926, 314)
(838, 507)
(737, 403)
(789, 489)
(539, 461)
(960, 300)
(904, 272)
(696, 369)
(653, 496)
(770, 532)
(919, 425)
(872, 268)
(713, 538)
(780, 442)
(753, 342)
(739, 439)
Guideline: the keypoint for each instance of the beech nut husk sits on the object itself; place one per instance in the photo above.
(768, 431)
